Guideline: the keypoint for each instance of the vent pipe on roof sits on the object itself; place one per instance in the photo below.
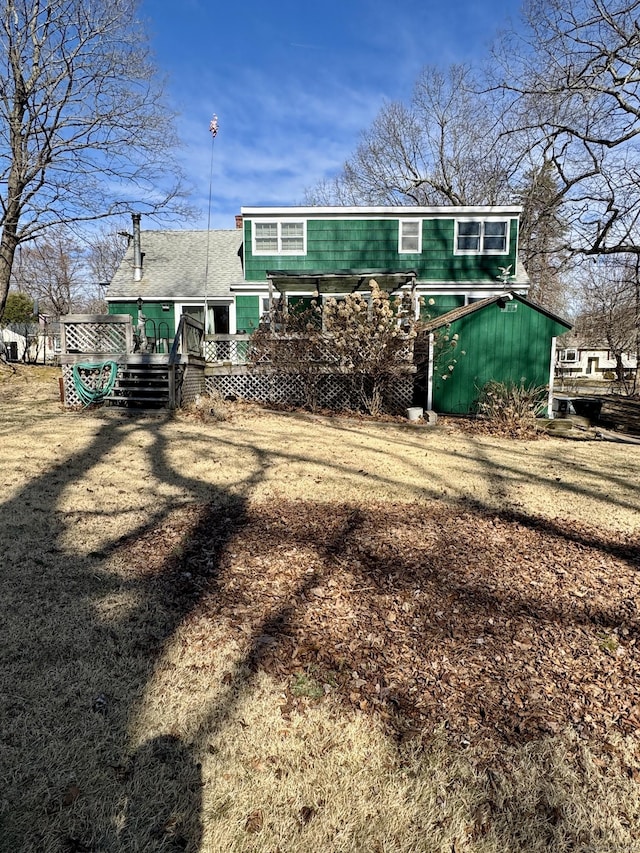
(137, 251)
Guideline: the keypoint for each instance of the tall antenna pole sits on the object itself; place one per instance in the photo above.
(213, 130)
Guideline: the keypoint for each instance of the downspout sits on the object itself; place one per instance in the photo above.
(430, 373)
(137, 250)
(552, 370)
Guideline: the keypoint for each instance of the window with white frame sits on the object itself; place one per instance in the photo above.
(279, 238)
(482, 237)
(568, 355)
(410, 236)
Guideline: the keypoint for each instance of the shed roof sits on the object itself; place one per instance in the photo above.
(176, 263)
(465, 310)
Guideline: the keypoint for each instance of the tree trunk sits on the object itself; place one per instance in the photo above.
(8, 245)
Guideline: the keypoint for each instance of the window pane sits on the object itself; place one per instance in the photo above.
(266, 237)
(267, 244)
(495, 236)
(469, 236)
(410, 244)
(292, 244)
(266, 229)
(409, 236)
(292, 237)
(292, 229)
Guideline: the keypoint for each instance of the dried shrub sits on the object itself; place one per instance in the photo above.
(511, 408)
(367, 340)
(209, 407)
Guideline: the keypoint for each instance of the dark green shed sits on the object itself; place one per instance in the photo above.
(504, 338)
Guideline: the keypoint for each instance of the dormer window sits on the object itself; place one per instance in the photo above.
(410, 236)
(279, 238)
(482, 237)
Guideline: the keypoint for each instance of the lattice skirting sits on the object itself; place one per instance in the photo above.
(90, 379)
(191, 383)
(334, 391)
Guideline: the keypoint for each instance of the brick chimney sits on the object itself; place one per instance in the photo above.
(238, 220)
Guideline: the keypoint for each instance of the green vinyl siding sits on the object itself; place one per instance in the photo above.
(247, 313)
(498, 345)
(372, 244)
(153, 311)
(435, 306)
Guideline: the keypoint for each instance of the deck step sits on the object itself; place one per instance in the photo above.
(141, 386)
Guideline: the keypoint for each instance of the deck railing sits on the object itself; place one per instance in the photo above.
(226, 349)
(96, 333)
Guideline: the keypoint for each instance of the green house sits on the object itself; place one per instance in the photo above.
(449, 256)
(456, 264)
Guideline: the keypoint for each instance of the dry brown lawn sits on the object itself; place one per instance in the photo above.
(285, 632)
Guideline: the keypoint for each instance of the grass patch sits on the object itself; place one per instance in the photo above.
(286, 633)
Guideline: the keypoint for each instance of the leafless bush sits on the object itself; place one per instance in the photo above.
(367, 339)
(511, 408)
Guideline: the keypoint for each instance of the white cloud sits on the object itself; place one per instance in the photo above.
(271, 145)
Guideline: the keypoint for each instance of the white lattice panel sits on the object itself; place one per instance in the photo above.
(90, 378)
(334, 391)
(71, 399)
(232, 350)
(96, 337)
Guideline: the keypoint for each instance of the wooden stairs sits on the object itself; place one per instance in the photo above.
(141, 385)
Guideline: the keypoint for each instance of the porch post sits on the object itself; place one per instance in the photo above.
(430, 374)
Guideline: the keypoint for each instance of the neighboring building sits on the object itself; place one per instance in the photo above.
(35, 343)
(12, 344)
(577, 357)
(449, 255)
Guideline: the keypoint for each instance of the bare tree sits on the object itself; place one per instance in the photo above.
(106, 248)
(570, 86)
(610, 309)
(51, 270)
(84, 128)
(442, 148)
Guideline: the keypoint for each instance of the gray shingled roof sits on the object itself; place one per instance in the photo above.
(175, 262)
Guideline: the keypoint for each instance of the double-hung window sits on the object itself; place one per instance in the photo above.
(279, 238)
(482, 237)
(410, 236)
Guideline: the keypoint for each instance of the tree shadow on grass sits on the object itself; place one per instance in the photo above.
(86, 628)
(403, 618)
(79, 644)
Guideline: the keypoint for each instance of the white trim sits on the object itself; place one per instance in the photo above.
(482, 222)
(552, 371)
(447, 212)
(430, 372)
(251, 288)
(194, 302)
(409, 221)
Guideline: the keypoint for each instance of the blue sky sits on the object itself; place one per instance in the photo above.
(294, 84)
